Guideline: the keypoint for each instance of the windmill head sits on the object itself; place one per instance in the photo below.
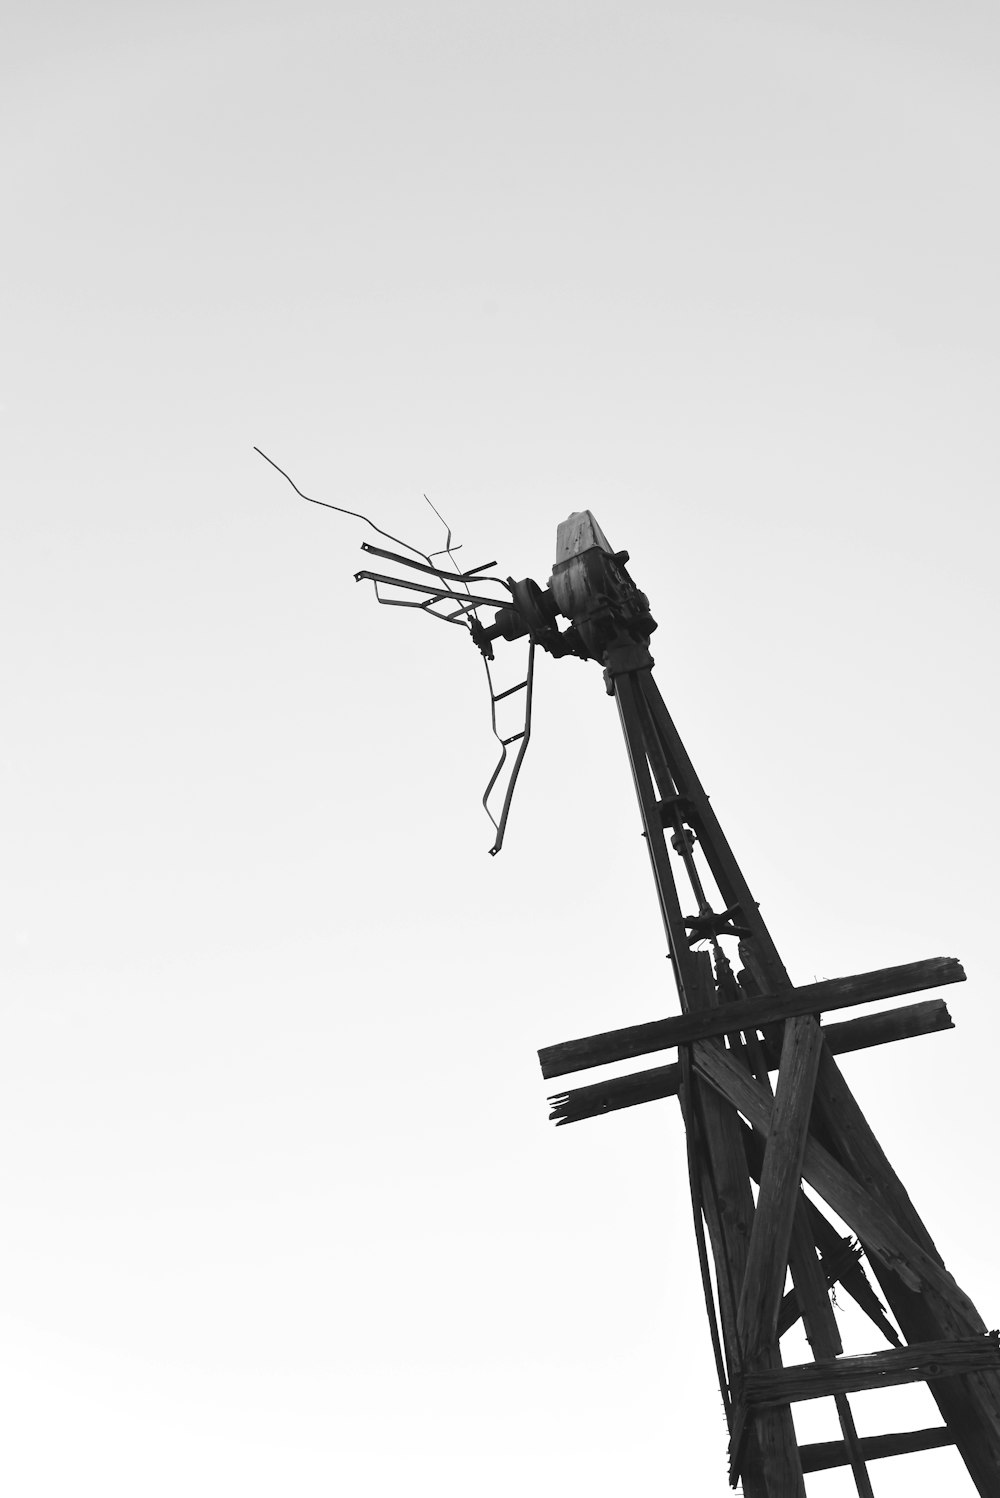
(590, 588)
(606, 617)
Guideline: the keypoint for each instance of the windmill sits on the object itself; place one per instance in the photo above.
(763, 1102)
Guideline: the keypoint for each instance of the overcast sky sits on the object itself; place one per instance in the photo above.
(282, 1210)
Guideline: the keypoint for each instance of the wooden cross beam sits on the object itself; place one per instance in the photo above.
(780, 1227)
(874, 1370)
(748, 1014)
(851, 1201)
(902, 1023)
(779, 1387)
(820, 1456)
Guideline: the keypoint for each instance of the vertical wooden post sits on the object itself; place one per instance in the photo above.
(781, 1177)
(771, 1468)
(750, 1271)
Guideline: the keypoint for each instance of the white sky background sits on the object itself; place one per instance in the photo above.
(282, 1211)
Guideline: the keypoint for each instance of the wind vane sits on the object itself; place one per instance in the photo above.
(768, 1259)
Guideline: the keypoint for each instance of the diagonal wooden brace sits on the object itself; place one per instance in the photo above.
(878, 1229)
(767, 1258)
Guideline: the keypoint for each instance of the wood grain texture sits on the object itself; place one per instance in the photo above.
(809, 1296)
(770, 1454)
(878, 1229)
(969, 1405)
(819, 1456)
(841, 1256)
(909, 1020)
(873, 1370)
(748, 1014)
(767, 1259)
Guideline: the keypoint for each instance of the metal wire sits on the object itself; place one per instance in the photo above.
(355, 514)
(460, 616)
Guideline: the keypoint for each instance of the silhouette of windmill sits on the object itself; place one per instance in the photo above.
(763, 1102)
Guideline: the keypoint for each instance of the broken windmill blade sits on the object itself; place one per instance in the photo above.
(751, 1143)
(585, 568)
(447, 593)
(585, 575)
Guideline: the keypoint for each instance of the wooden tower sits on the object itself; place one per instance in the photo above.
(764, 1102)
(762, 1099)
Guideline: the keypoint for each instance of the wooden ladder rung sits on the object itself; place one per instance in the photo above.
(820, 1455)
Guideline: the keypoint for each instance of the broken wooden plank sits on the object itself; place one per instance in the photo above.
(923, 1018)
(767, 1257)
(615, 1093)
(748, 1014)
(810, 1292)
(872, 1370)
(830, 1268)
(819, 1456)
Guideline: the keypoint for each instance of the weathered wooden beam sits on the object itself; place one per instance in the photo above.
(876, 1227)
(823, 1333)
(839, 1254)
(872, 1370)
(780, 1473)
(819, 1456)
(615, 1093)
(767, 1257)
(831, 1268)
(923, 1018)
(927, 1362)
(810, 1292)
(852, 1445)
(970, 1406)
(716, 1150)
(770, 1466)
(926, 1017)
(748, 1014)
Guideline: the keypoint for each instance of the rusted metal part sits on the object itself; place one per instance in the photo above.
(521, 739)
(472, 575)
(434, 595)
(593, 590)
